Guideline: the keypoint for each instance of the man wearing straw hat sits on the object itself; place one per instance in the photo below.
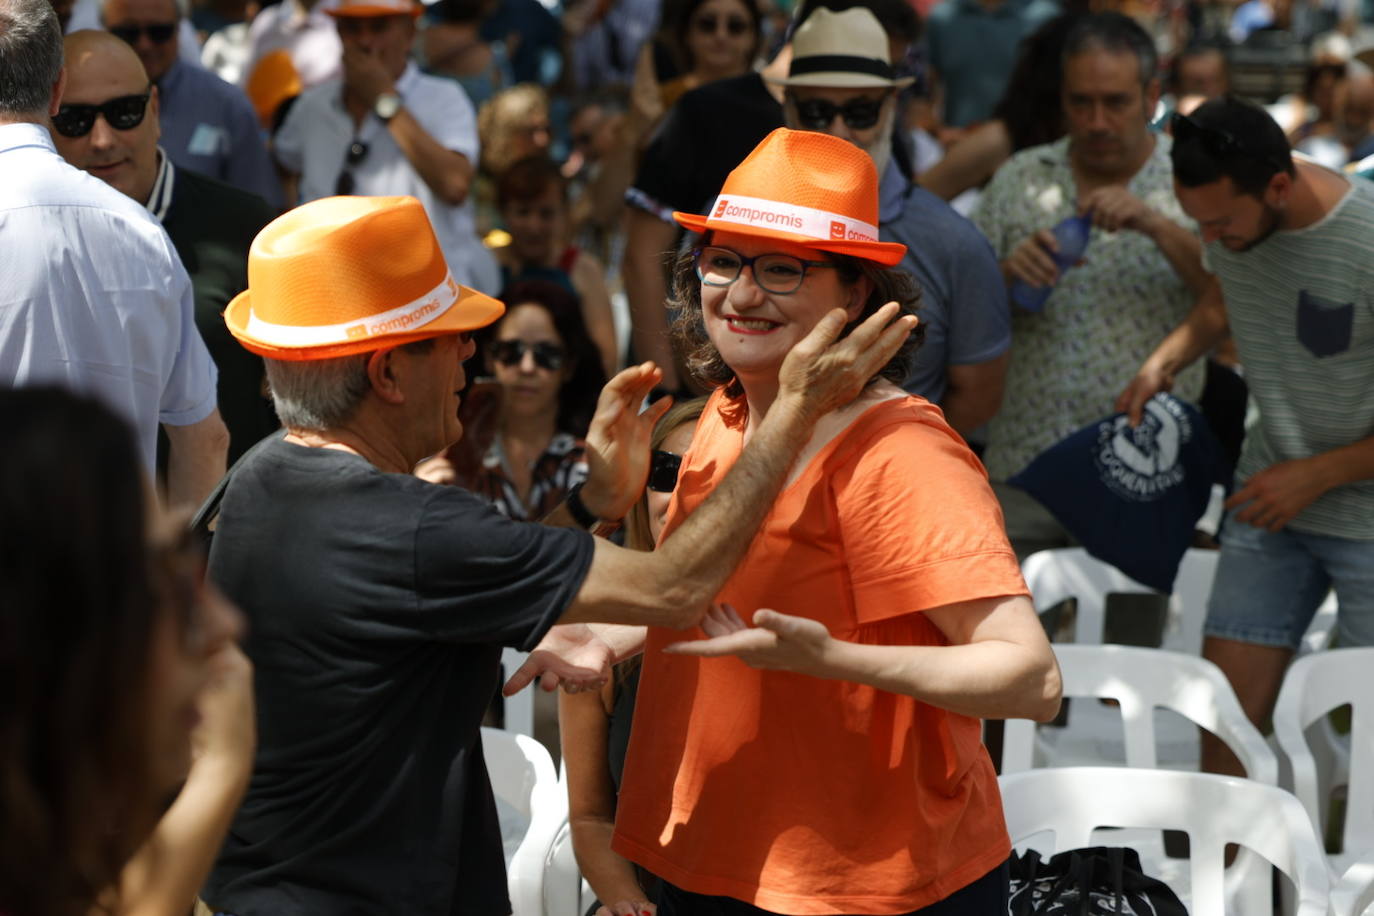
(378, 602)
(841, 83)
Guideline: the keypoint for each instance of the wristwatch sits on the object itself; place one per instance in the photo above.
(386, 106)
(584, 516)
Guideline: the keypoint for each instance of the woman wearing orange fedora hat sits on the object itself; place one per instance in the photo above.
(825, 756)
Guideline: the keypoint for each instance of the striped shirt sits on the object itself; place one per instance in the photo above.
(1301, 308)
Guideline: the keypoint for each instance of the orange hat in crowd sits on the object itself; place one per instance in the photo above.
(360, 8)
(346, 275)
(804, 187)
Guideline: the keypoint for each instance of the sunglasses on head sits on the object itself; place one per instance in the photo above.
(158, 34)
(858, 114)
(123, 113)
(357, 152)
(547, 355)
(735, 26)
(663, 468)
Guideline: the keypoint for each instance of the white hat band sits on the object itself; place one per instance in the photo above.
(409, 317)
(758, 213)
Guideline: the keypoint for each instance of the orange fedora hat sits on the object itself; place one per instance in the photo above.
(805, 187)
(359, 8)
(345, 275)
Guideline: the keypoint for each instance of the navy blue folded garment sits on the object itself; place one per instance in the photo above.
(1132, 496)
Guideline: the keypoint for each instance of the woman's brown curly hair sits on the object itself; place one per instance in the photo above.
(704, 361)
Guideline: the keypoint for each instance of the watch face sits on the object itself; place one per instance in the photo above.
(387, 106)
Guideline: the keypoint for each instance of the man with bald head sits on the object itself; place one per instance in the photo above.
(207, 124)
(94, 297)
(212, 224)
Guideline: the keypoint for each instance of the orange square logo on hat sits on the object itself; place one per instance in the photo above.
(836, 229)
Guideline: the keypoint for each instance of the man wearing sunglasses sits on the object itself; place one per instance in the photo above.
(1140, 273)
(384, 128)
(841, 83)
(94, 296)
(1290, 246)
(107, 124)
(208, 126)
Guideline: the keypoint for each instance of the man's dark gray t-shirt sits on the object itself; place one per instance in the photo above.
(377, 604)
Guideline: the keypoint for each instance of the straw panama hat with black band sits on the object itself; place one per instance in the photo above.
(845, 50)
(349, 9)
(346, 275)
(804, 187)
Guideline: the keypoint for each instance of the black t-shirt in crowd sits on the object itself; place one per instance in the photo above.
(702, 138)
(377, 604)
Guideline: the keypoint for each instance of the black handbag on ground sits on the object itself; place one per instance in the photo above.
(1094, 881)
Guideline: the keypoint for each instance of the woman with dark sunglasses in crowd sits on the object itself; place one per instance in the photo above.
(536, 377)
(595, 726)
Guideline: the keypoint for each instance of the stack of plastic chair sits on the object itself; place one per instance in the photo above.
(566, 892)
(530, 799)
(1141, 681)
(1071, 802)
(1322, 762)
(1354, 894)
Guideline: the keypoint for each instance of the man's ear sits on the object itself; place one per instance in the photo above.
(59, 89)
(382, 374)
(154, 110)
(1151, 99)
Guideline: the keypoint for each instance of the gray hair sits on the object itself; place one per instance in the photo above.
(317, 394)
(1115, 33)
(30, 57)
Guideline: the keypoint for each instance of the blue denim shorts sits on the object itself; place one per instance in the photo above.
(1270, 584)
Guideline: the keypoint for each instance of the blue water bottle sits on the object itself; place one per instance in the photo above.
(1072, 235)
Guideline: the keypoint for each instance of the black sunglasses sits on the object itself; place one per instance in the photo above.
(1220, 144)
(859, 114)
(357, 152)
(734, 25)
(123, 113)
(663, 468)
(158, 34)
(547, 355)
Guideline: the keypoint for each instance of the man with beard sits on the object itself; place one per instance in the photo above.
(1141, 271)
(842, 83)
(1289, 244)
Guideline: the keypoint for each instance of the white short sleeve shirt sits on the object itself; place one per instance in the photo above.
(94, 297)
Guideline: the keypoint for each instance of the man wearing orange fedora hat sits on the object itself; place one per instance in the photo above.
(841, 83)
(384, 128)
(379, 602)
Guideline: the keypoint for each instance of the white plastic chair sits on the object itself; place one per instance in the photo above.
(566, 892)
(1354, 893)
(1142, 681)
(1070, 572)
(528, 795)
(1313, 686)
(1071, 802)
(519, 709)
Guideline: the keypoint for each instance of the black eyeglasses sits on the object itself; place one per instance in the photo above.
(357, 152)
(859, 114)
(123, 113)
(159, 33)
(735, 26)
(663, 468)
(1219, 144)
(547, 355)
(777, 273)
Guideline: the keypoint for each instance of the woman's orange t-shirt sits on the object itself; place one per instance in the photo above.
(809, 796)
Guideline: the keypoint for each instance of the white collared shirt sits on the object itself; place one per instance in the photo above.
(309, 36)
(313, 143)
(93, 296)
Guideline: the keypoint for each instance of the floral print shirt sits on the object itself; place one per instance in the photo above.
(1106, 315)
(558, 470)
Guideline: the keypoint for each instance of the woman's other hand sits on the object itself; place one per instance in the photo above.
(776, 641)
